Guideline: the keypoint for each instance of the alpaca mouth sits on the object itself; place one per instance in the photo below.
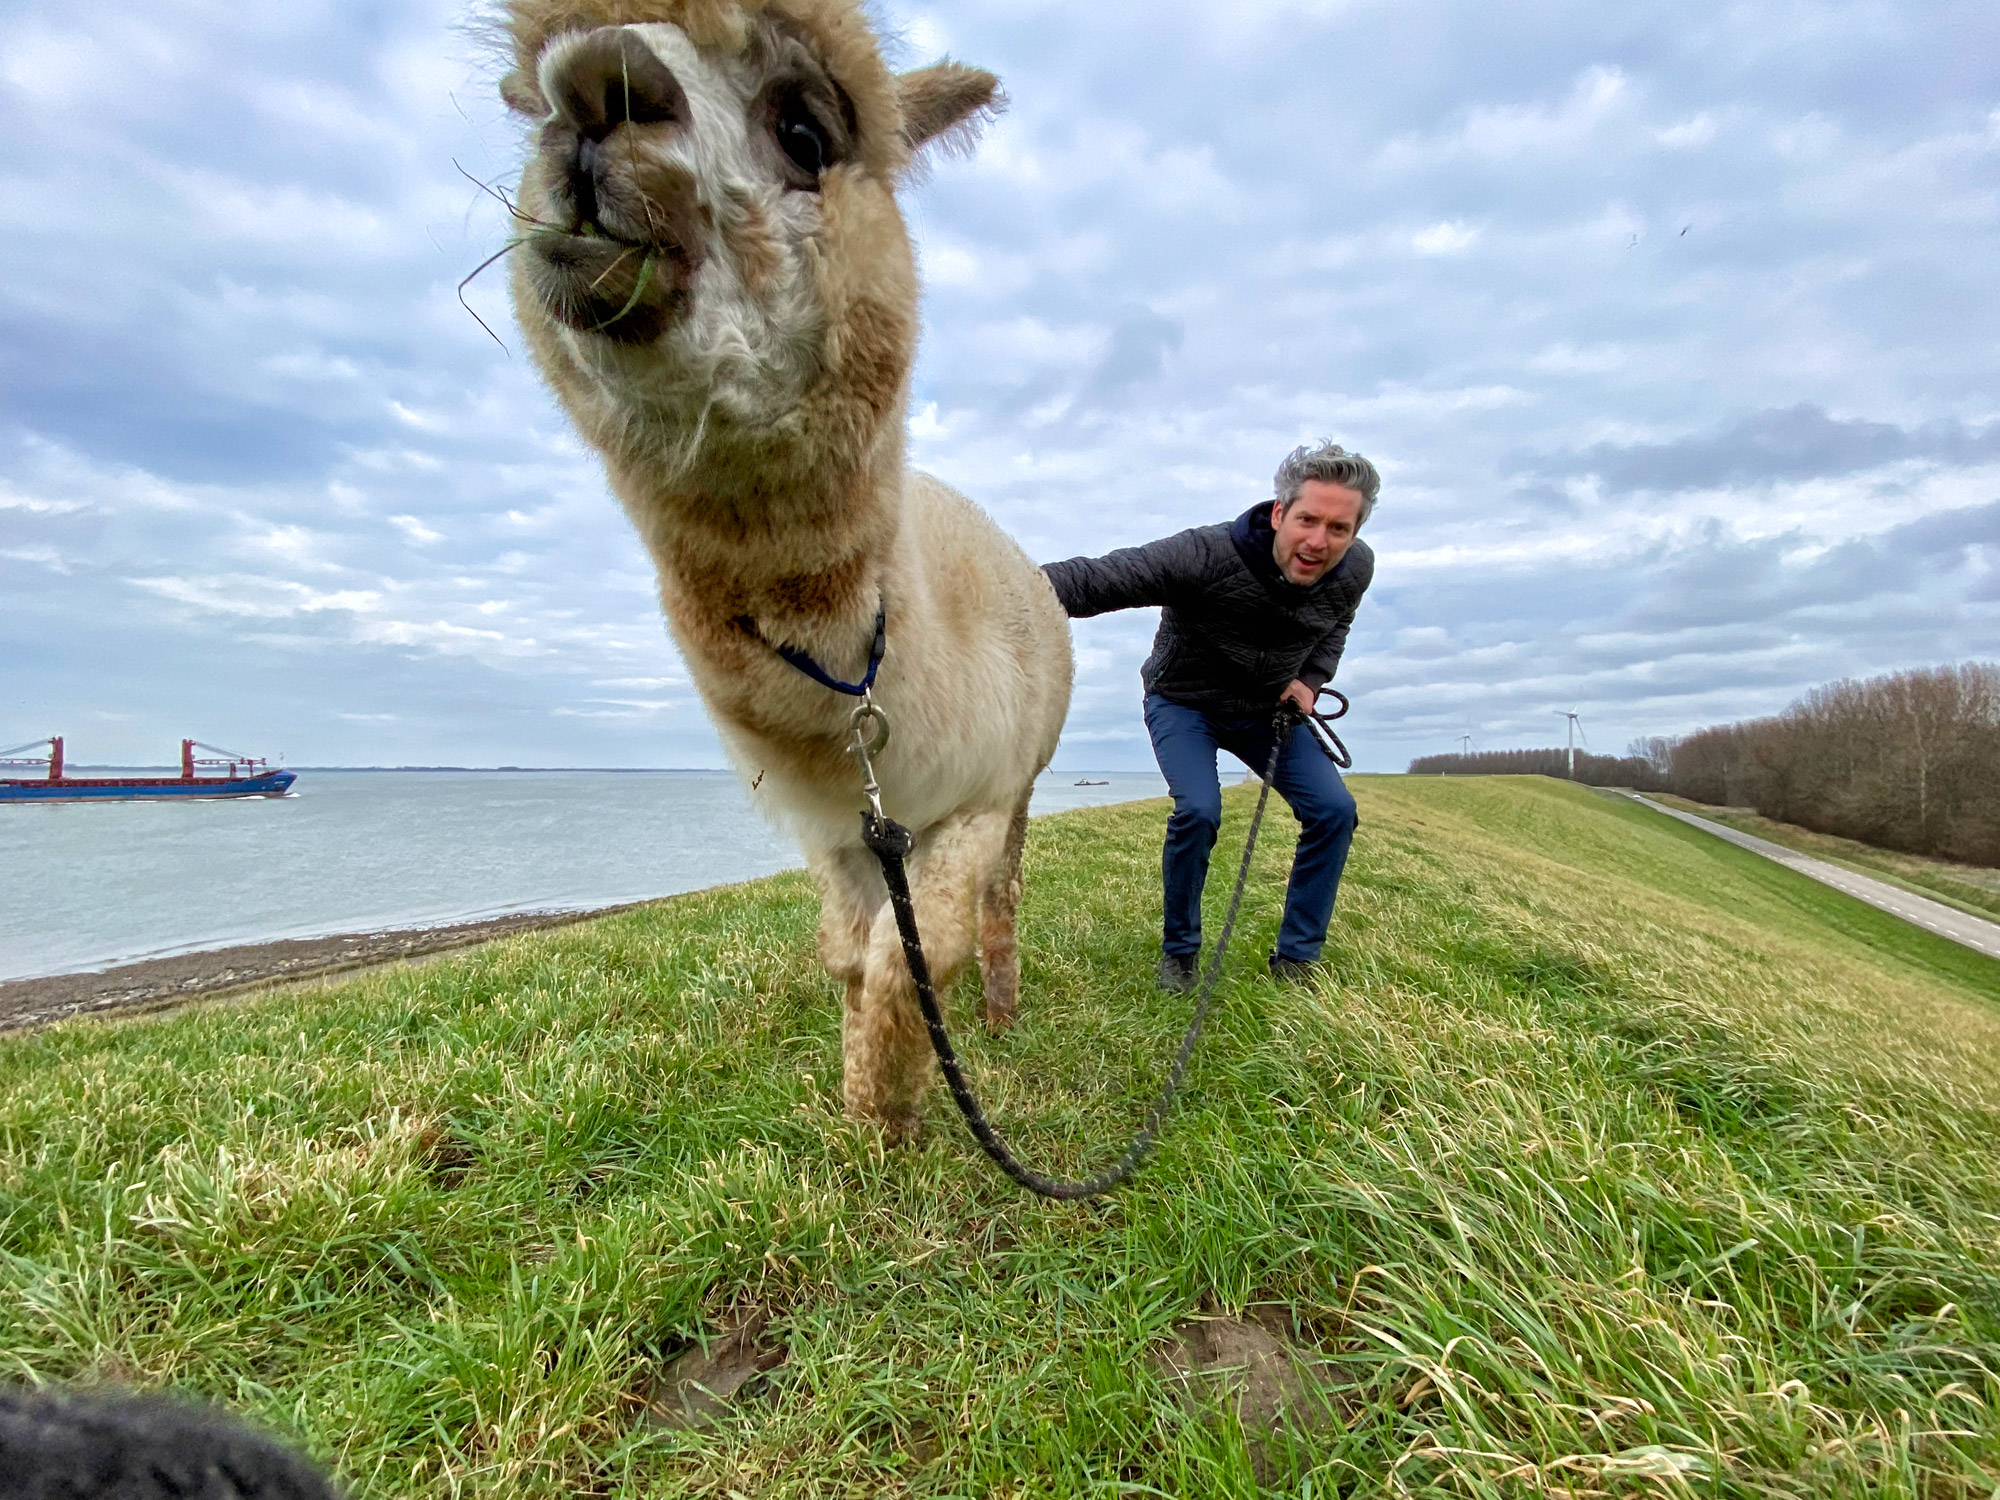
(627, 291)
(619, 227)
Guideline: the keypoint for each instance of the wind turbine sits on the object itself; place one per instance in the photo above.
(1575, 729)
(1465, 744)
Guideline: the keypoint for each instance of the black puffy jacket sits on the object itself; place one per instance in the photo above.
(1233, 632)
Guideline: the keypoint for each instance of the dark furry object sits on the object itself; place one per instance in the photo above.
(107, 1445)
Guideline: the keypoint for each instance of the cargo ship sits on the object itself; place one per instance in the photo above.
(219, 773)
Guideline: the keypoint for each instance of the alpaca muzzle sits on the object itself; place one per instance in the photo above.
(621, 260)
(621, 254)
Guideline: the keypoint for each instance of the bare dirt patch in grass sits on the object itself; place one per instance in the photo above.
(702, 1382)
(448, 1159)
(1254, 1369)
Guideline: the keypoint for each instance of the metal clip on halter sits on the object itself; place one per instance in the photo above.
(870, 728)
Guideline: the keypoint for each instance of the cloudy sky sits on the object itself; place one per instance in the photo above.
(1671, 326)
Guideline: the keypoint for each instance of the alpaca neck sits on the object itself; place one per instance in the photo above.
(797, 546)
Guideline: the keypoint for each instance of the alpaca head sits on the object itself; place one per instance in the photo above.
(714, 258)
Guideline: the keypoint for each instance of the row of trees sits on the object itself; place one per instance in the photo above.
(1908, 761)
(1634, 771)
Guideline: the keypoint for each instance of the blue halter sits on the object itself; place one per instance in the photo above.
(818, 674)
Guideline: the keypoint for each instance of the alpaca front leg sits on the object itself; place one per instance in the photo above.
(851, 894)
(885, 1044)
(999, 905)
(885, 1054)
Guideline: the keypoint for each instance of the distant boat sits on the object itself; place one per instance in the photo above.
(1087, 782)
(228, 775)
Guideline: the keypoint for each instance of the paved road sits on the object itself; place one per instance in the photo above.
(1945, 921)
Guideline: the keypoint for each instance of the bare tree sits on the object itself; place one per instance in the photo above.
(1906, 761)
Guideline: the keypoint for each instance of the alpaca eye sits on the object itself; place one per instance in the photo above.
(803, 139)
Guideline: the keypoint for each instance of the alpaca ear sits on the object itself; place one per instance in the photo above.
(524, 95)
(947, 103)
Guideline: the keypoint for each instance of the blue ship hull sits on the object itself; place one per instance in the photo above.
(146, 789)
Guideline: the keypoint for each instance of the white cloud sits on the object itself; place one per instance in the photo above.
(1395, 400)
(1569, 359)
(1503, 131)
(41, 557)
(292, 544)
(1451, 237)
(956, 265)
(422, 421)
(267, 214)
(442, 636)
(252, 597)
(1690, 134)
(623, 708)
(415, 531)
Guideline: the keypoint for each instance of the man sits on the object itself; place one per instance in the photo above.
(1254, 612)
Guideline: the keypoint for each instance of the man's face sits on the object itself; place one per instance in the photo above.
(1316, 532)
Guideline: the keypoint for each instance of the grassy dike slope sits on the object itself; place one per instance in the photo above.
(1616, 1161)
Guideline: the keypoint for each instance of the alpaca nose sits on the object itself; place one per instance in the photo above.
(612, 78)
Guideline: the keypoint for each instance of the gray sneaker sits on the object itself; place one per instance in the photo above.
(1177, 972)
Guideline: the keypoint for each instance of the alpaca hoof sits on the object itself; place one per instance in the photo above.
(899, 1126)
(999, 1018)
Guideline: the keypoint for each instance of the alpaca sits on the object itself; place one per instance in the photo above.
(717, 283)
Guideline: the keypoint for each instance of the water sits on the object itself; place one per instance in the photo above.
(88, 885)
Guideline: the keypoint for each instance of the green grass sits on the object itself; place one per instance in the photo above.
(1612, 1150)
(1970, 888)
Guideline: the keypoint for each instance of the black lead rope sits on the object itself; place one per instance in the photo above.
(1322, 730)
(891, 842)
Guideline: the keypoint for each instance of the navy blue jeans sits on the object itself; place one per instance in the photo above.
(1185, 741)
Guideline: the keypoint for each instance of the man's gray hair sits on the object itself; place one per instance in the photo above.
(1329, 463)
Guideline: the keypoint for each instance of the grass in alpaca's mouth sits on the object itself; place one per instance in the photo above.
(585, 229)
(597, 235)
(569, 244)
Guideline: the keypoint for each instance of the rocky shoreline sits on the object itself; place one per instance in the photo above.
(157, 982)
